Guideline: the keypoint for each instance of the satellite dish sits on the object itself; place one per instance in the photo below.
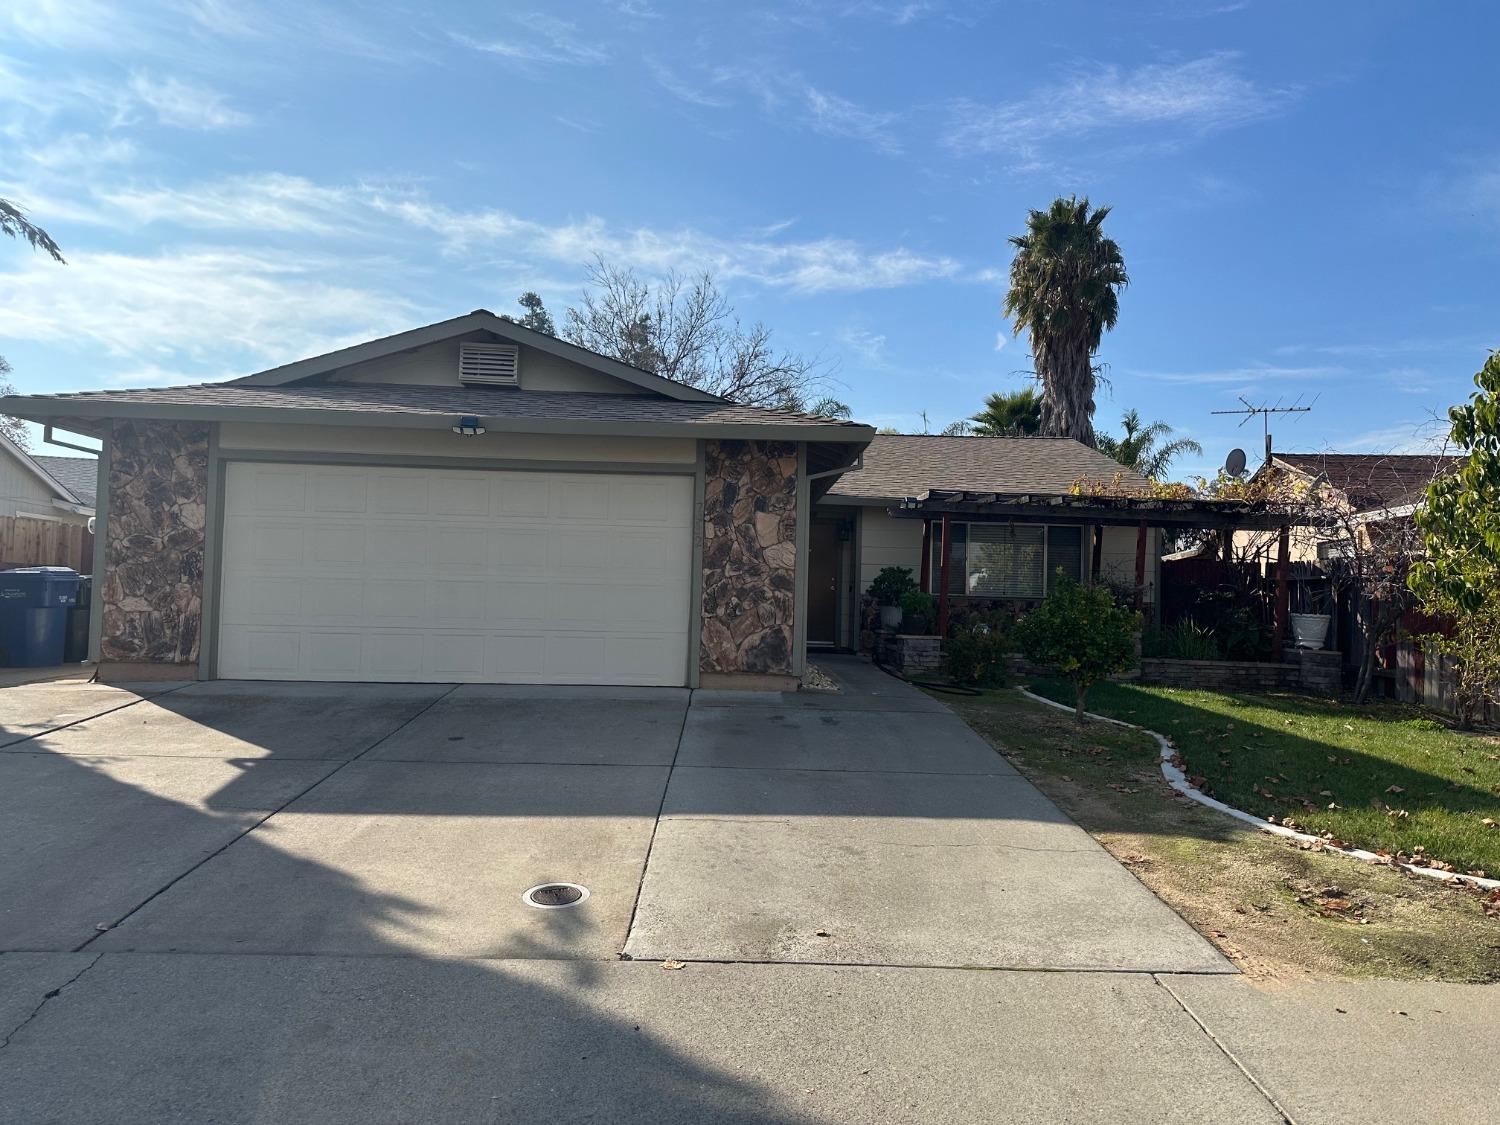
(1234, 464)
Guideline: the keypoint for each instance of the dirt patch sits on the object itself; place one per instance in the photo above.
(1277, 910)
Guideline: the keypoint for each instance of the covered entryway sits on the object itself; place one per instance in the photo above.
(384, 573)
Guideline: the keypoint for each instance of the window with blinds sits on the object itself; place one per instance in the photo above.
(989, 560)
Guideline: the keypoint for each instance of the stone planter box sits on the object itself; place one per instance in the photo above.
(1305, 669)
(910, 655)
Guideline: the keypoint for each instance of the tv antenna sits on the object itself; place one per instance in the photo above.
(1250, 410)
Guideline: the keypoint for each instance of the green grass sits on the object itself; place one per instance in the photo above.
(1383, 777)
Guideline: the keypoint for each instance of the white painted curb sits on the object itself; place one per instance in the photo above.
(1178, 781)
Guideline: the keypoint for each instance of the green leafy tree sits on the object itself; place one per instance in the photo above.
(13, 428)
(1146, 448)
(1010, 414)
(1081, 634)
(1460, 522)
(13, 221)
(1065, 283)
(537, 318)
(1458, 573)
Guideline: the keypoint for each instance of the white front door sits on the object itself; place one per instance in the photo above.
(334, 572)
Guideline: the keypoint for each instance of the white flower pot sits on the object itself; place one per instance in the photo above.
(890, 617)
(1310, 630)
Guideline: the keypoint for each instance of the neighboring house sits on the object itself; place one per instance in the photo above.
(469, 501)
(858, 527)
(1374, 487)
(44, 487)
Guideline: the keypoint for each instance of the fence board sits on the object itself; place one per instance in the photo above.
(29, 542)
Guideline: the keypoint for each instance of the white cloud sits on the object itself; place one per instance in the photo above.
(1001, 339)
(1248, 375)
(1427, 435)
(185, 105)
(549, 40)
(268, 202)
(1201, 95)
(683, 89)
(198, 304)
(835, 116)
(869, 346)
(814, 266)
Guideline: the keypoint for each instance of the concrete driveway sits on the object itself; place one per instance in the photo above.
(255, 903)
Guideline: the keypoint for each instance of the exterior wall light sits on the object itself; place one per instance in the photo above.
(468, 427)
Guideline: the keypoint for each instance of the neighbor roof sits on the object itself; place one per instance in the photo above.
(901, 465)
(79, 475)
(394, 404)
(65, 494)
(1372, 479)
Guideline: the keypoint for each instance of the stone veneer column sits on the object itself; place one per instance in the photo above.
(749, 557)
(154, 539)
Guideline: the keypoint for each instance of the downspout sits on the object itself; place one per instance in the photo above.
(50, 440)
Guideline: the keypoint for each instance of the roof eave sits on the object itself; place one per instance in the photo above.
(51, 410)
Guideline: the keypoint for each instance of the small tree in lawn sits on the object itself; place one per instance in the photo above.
(1081, 634)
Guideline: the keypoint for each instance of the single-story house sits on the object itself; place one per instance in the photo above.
(469, 501)
(43, 487)
(866, 521)
(473, 501)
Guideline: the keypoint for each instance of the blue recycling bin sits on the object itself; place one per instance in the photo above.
(34, 604)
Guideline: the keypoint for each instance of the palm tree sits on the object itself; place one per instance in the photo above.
(13, 221)
(1137, 448)
(1009, 414)
(1065, 283)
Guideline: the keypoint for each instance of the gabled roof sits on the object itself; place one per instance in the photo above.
(80, 475)
(59, 487)
(1372, 480)
(901, 465)
(480, 320)
(395, 404)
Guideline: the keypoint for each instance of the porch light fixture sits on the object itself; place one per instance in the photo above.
(911, 503)
(468, 427)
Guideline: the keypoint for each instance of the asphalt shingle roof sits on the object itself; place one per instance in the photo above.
(489, 402)
(79, 475)
(900, 465)
(1373, 479)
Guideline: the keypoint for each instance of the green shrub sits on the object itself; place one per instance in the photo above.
(1079, 633)
(919, 613)
(892, 584)
(1184, 640)
(974, 654)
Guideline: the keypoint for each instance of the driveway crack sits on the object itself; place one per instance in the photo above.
(47, 997)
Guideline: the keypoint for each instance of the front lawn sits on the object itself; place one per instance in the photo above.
(1383, 777)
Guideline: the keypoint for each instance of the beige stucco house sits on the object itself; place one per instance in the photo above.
(470, 501)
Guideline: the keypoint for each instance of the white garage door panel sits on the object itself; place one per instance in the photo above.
(349, 573)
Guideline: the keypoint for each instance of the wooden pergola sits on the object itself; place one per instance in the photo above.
(941, 507)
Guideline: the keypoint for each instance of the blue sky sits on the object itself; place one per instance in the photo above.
(1307, 195)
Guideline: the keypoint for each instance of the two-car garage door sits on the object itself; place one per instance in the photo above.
(400, 574)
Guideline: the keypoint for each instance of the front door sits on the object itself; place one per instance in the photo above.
(823, 583)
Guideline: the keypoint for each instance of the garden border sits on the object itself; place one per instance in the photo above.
(1178, 781)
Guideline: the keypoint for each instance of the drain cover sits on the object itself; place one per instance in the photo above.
(552, 896)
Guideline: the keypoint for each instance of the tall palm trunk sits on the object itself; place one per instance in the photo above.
(1067, 374)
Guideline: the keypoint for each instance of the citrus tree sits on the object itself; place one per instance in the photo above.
(1081, 634)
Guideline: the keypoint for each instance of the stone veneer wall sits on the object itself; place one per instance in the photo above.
(749, 556)
(153, 553)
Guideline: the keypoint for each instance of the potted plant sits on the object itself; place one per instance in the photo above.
(1310, 630)
(890, 586)
(918, 613)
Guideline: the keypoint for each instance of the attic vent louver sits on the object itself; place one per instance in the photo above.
(489, 364)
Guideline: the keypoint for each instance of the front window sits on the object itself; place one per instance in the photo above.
(1006, 561)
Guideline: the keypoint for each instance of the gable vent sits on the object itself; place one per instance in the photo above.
(492, 364)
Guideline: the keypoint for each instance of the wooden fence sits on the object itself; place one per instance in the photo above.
(29, 542)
